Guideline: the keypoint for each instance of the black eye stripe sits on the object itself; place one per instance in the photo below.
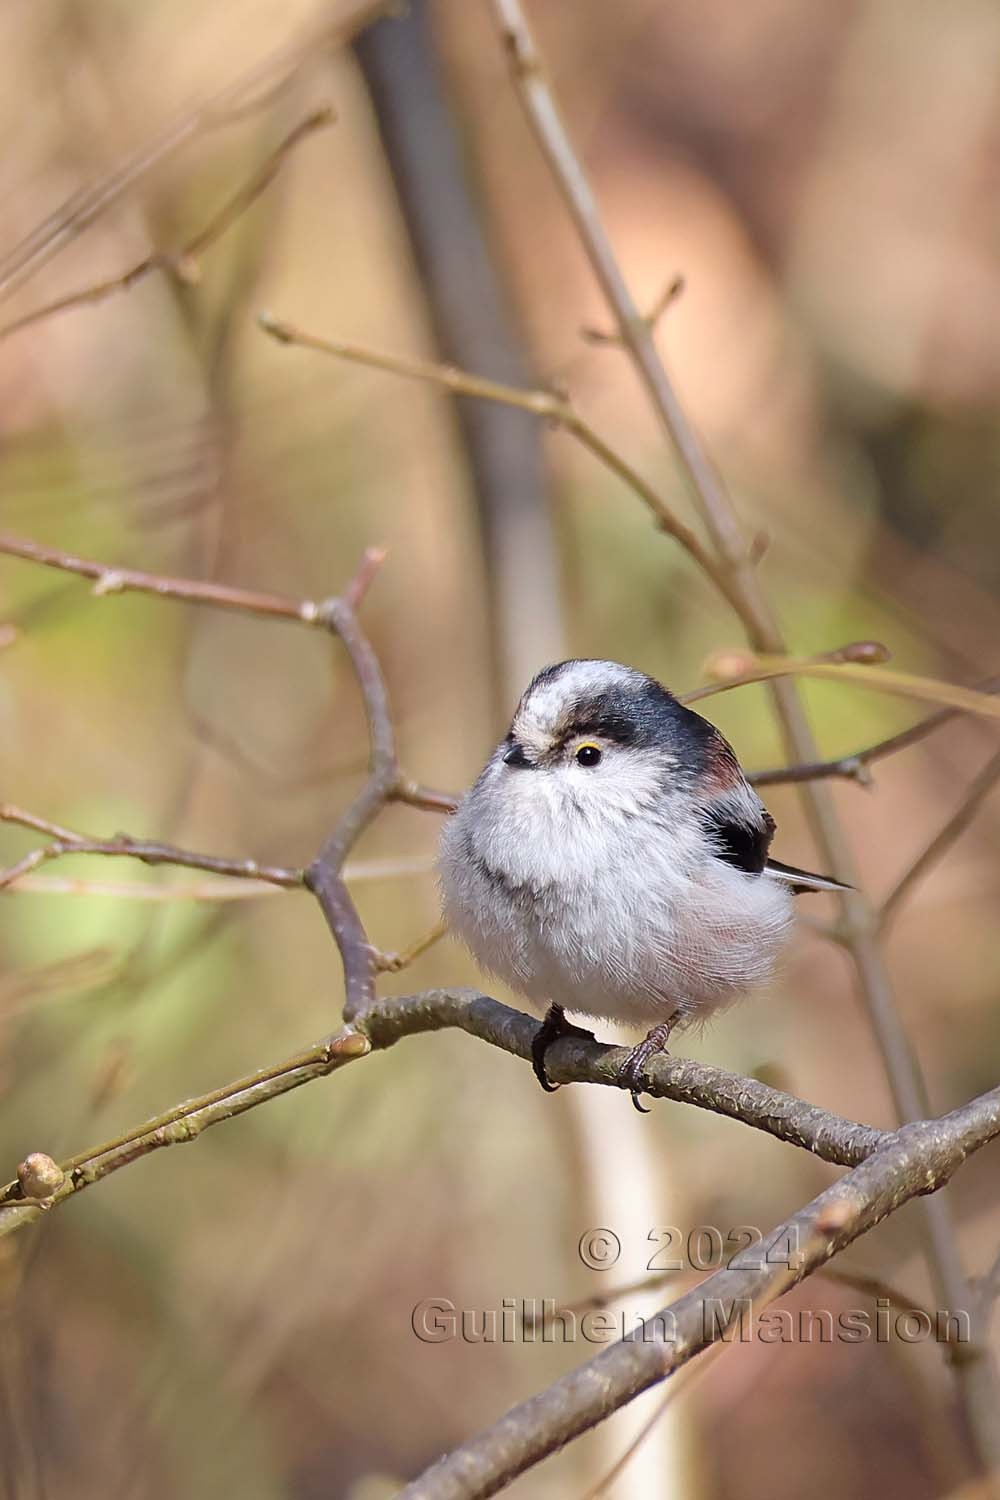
(618, 729)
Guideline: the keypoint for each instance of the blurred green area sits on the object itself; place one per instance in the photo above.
(236, 1318)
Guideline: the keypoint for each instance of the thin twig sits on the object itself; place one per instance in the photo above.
(854, 766)
(683, 1379)
(668, 296)
(988, 1290)
(547, 405)
(228, 105)
(979, 789)
(861, 1281)
(426, 797)
(67, 841)
(113, 580)
(182, 1124)
(181, 262)
(571, 1059)
(401, 866)
(394, 963)
(324, 876)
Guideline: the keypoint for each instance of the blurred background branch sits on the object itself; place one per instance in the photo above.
(183, 263)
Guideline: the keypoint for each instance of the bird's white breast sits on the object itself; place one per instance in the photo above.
(609, 908)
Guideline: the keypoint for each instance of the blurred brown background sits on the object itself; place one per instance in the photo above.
(236, 1318)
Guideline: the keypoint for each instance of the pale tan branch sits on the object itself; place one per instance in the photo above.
(548, 405)
(399, 867)
(677, 1387)
(108, 580)
(742, 669)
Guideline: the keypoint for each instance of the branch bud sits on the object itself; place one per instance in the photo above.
(39, 1176)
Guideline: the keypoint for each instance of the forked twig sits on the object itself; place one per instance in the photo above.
(324, 876)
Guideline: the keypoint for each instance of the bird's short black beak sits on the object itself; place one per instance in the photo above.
(515, 756)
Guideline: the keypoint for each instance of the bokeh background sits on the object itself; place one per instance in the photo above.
(237, 1318)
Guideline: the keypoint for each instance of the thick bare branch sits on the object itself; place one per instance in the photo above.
(915, 1160)
(570, 1060)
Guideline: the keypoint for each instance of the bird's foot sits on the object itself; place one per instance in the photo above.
(552, 1028)
(631, 1074)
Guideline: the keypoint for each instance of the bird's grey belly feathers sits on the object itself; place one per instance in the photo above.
(637, 930)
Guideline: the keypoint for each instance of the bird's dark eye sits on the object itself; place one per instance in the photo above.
(588, 755)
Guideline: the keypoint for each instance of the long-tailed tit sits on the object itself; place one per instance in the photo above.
(612, 859)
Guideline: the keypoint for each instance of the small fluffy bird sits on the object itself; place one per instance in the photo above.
(612, 859)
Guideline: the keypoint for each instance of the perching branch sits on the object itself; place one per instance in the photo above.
(912, 1161)
(386, 1021)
